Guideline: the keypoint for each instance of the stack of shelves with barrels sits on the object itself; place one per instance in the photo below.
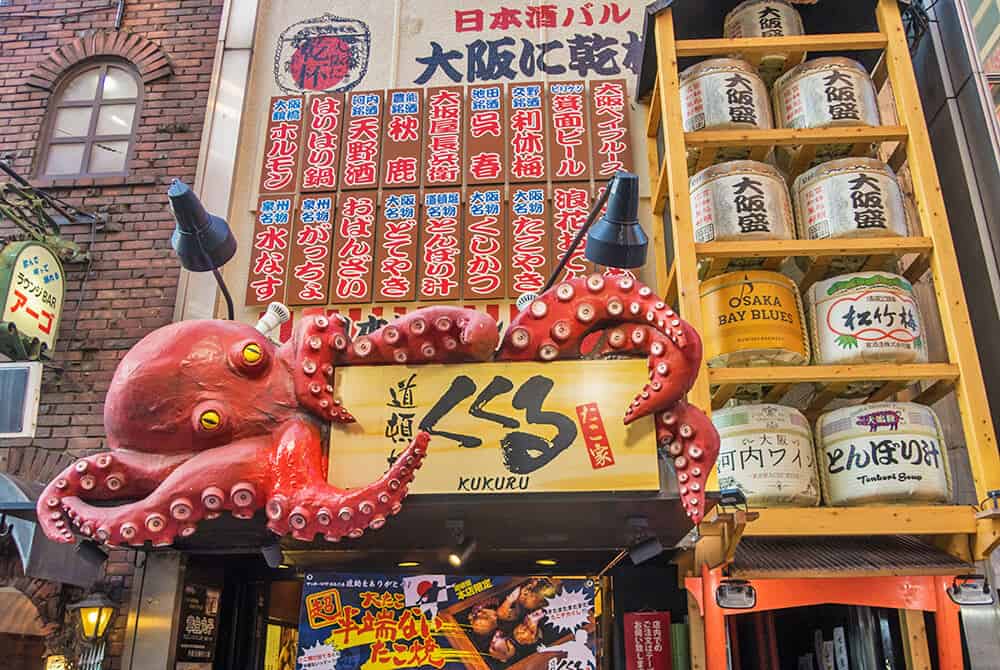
(675, 155)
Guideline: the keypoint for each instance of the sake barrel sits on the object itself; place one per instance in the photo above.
(881, 453)
(765, 18)
(766, 451)
(849, 197)
(753, 318)
(723, 93)
(741, 200)
(823, 92)
(865, 317)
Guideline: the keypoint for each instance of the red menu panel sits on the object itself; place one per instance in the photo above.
(321, 159)
(443, 143)
(353, 248)
(609, 114)
(362, 136)
(569, 139)
(396, 246)
(527, 132)
(530, 243)
(647, 641)
(484, 271)
(440, 245)
(309, 266)
(485, 135)
(284, 145)
(269, 255)
(570, 207)
(402, 138)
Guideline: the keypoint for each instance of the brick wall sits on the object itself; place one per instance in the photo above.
(132, 281)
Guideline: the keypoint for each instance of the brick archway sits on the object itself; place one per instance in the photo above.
(148, 57)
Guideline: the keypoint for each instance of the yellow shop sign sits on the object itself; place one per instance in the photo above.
(498, 427)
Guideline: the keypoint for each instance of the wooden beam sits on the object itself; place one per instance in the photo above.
(826, 248)
(768, 45)
(653, 117)
(914, 633)
(865, 520)
(885, 372)
(793, 136)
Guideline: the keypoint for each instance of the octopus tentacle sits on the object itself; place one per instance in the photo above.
(689, 437)
(318, 343)
(104, 476)
(436, 334)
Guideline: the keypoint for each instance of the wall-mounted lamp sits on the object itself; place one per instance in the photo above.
(736, 594)
(970, 590)
(272, 555)
(203, 242)
(460, 555)
(94, 614)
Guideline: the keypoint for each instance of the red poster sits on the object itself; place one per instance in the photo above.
(441, 245)
(269, 256)
(396, 247)
(353, 248)
(309, 264)
(443, 145)
(527, 132)
(485, 139)
(283, 146)
(530, 242)
(484, 271)
(609, 118)
(595, 435)
(569, 136)
(570, 207)
(647, 641)
(362, 136)
(321, 160)
(403, 135)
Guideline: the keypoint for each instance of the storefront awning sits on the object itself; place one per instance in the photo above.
(40, 557)
(896, 555)
(703, 19)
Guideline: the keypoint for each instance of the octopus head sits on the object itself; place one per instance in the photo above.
(195, 385)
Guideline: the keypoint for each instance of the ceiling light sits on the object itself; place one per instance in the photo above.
(407, 564)
(458, 556)
(547, 562)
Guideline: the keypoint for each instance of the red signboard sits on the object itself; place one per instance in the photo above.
(283, 146)
(396, 246)
(570, 207)
(569, 136)
(485, 139)
(440, 245)
(530, 241)
(595, 435)
(527, 132)
(362, 140)
(484, 270)
(609, 119)
(269, 256)
(321, 159)
(353, 248)
(309, 264)
(402, 138)
(647, 641)
(443, 143)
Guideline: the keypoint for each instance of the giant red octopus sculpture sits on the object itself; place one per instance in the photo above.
(205, 417)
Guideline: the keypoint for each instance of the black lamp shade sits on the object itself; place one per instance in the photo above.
(201, 240)
(616, 239)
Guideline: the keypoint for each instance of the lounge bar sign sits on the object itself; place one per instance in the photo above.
(430, 194)
(497, 427)
(31, 284)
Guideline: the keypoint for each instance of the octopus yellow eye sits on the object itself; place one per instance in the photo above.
(210, 420)
(252, 354)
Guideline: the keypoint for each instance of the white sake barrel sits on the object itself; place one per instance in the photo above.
(765, 18)
(741, 200)
(882, 453)
(767, 452)
(865, 317)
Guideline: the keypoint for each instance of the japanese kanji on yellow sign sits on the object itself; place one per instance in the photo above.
(498, 427)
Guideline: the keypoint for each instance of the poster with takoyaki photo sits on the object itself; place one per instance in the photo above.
(446, 622)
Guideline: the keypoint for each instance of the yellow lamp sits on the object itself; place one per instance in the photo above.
(56, 662)
(95, 614)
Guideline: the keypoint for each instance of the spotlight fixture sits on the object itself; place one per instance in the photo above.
(736, 594)
(459, 556)
(91, 552)
(644, 551)
(970, 590)
(732, 498)
(272, 555)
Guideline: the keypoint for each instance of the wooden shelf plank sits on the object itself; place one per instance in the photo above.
(866, 520)
(885, 372)
(765, 45)
(892, 246)
(791, 136)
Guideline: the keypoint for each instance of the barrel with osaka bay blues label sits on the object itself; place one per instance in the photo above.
(753, 318)
(765, 18)
(882, 453)
(865, 317)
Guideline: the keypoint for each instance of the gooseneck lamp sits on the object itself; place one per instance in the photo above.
(95, 614)
(203, 242)
(616, 240)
